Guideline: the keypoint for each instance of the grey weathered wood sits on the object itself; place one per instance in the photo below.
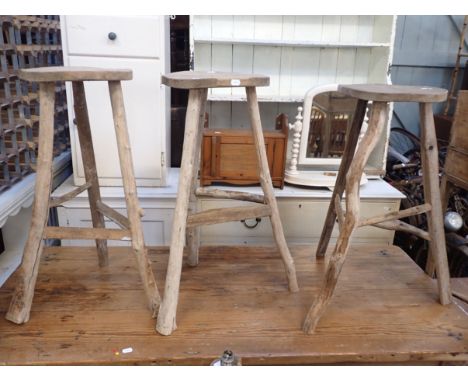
(192, 236)
(394, 215)
(89, 166)
(58, 201)
(183, 222)
(398, 225)
(267, 187)
(394, 93)
(113, 215)
(199, 80)
(74, 73)
(222, 215)
(377, 121)
(79, 233)
(339, 211)
(131, 197)
(346, 160)
(430, 165)
(167, 313)
(21, 301)
(226, 194)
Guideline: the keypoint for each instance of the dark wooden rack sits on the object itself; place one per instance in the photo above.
(27, 42)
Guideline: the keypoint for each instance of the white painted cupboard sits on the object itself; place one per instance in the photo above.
(139, 43)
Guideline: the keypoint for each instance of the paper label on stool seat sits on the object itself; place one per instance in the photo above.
(235, 82)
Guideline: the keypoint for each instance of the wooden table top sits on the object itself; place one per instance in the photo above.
(384, 310)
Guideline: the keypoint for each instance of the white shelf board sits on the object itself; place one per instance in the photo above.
(293, 43)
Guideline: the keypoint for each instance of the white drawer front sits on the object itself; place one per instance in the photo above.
(145, 119)
(156, 225)
(302, 223)
(135, 36)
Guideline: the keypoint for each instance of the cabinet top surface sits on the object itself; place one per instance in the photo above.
(202, 80)
(394, 93)
(74, 73)
(373, 189)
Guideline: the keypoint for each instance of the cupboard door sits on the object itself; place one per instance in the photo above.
(144, 105)
(133, 36)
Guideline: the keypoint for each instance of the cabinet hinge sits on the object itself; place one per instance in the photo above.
(163, 159)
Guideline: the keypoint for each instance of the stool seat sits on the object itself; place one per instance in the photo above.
(204, 80)
(394, 93)
(72, 73)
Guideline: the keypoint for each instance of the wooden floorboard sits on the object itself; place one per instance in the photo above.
(460, 288)
(385, 311)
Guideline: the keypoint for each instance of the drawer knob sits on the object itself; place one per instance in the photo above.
(112, 36)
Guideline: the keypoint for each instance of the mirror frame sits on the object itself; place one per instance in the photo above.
(307, 110)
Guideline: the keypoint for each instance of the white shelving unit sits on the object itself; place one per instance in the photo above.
(297, 52)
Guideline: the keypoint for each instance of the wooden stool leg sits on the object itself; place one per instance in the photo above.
(89, 166)
(346, 160)
(446, 189)
(267, 186)
(131, 197)
(193, 234)
(430, 167)
(21, 302)
(167, 312)
(378, 118)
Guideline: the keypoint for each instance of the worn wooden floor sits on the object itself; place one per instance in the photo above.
(384, 310)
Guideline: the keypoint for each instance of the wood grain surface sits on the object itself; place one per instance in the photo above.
(384, 310)
(74, 73)
(394, 93)
(200, 80)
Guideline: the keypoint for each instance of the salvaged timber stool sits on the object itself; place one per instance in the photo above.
(131, 226)
(185, 224)
(351, 169)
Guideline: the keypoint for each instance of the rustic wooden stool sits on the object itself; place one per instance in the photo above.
(351, 168)
(131, 227)
(185, 224)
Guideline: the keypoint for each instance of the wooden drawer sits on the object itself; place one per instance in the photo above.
(302, 223)
(135, 36)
